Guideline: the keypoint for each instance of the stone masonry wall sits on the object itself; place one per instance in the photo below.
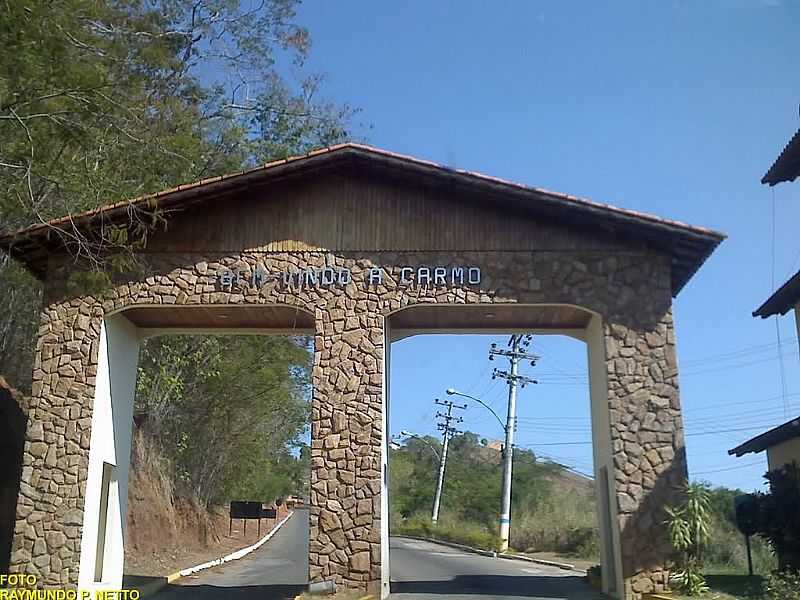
(630, 290)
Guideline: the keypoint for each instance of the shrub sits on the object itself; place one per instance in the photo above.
(783, 586)
(779, 519)
(726, 549)
(448, 529)
(688, 526)
(565, 524)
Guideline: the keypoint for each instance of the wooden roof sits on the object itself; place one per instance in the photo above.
(689, 246)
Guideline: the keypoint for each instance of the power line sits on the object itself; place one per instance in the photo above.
(690, 434)
(735, 468)
(715, 432)
(581, 380)
(562, 444)
(731, 354)
(781, 367)
(740, 402)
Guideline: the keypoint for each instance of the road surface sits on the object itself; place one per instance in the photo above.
(425, 571)
(278, 570)
(420, 571)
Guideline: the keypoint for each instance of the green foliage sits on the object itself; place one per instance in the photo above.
(726, 550)
(180, 89)
(688, 526)
(103, 100)
(473, 481)
(450, 528)
(783, 586)
(227, 412)
(19, 320)
(778, 515)
(734, 587)
(543, 518)
(565, 522)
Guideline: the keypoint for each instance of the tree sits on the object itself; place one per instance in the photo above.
(472, 482)
(228, 412)
(102, 100)
(779, 518)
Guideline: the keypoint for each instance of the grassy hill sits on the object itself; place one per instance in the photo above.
(553, 508)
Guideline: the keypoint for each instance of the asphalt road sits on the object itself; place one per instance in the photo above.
(425, 571)
(420, 571)
(278, 570)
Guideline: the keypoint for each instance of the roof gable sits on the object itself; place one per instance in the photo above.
(687, 246)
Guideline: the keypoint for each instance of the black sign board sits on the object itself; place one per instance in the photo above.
(246, 510)
(746, 513)
(746, 508)
(269, 513)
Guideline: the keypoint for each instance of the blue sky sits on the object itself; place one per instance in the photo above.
(672, 108)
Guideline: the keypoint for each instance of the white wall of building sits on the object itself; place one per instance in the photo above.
(783, 453)
(110, 442)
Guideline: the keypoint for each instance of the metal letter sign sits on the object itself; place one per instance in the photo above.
(327, 277)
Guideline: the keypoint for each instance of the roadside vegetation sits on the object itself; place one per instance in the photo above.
(702, 532)
(217, 418)
(553, 510)
(102, 101)
(552, 507)
(223, 416)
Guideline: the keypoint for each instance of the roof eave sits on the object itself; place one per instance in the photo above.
(768, 439)
(782, 301)
(786, 167)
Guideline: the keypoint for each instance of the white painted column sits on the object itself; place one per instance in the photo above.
(608, 521)
(385, 438)
(110, 442)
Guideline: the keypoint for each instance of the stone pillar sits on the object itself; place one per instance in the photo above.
(346, 447)
(47, 535)
(647, 445)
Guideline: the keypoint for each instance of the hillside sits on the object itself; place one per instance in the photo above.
(553, 508)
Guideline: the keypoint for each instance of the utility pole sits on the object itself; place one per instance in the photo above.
(516, 351)
(447, 432)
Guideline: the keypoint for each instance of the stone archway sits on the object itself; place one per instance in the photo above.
(121, 332)
(352, 235)
(541, 319)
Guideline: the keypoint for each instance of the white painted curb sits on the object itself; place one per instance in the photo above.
(238, 554)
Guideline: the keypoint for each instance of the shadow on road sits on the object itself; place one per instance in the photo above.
(245, 592)
(562, 588)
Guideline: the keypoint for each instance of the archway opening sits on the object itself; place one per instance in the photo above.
(199, 410)
(561, 490)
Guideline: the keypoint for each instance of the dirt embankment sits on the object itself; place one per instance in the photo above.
(167, 532)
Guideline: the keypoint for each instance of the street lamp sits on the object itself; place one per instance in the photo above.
(408, 434)
(454, 392)
(508, 454)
